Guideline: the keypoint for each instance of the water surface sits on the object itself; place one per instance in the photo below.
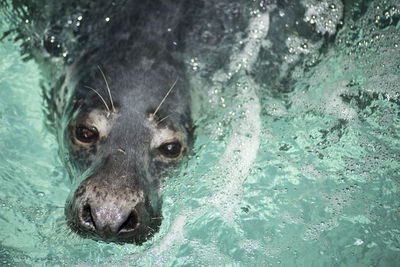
(296, 158)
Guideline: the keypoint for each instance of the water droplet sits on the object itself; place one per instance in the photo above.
(387, 14)
(358, 242)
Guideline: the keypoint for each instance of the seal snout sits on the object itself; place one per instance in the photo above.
(109, 222)
(110, 212)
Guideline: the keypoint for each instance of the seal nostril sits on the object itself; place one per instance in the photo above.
(130, 224)
(87, 217)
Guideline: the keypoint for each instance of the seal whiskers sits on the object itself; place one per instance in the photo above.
(59, 234)
(102, 99)
(52, 225)
(165, 97)
(50, 208)
(52, 214)
(163, 119)
(108, 89)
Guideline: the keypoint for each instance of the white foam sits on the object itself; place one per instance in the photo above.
(325, 15)
(242, 147)
(173, 237)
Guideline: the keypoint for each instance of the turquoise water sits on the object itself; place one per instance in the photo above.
(307, 175)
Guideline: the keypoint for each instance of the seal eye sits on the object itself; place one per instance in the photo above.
(171, 150)
(86, 134)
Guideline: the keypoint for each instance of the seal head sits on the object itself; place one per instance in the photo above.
(128, 125)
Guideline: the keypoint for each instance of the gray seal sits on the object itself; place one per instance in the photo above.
(126, 125)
